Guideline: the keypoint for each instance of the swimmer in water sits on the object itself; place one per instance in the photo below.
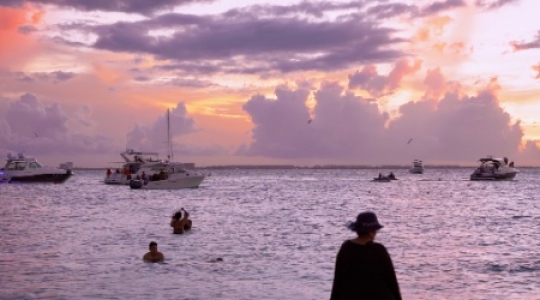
(154, 255)
(179, 223)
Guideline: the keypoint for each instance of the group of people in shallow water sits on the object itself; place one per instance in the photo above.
(180, 222)
(363, 267)
(390, 176)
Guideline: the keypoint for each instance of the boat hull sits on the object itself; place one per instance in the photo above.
(484, 176)
(186, 182)
(416, 170)
(381, 180)
(41, 178)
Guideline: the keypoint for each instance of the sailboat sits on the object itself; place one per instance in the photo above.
(165, 174)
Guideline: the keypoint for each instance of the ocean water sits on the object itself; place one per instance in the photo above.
(278, 232)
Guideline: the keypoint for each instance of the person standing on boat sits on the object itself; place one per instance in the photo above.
(364, 269)
(144, 177)
(180, 224)
(108, 172)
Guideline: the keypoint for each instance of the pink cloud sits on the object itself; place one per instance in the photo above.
(537, 69)
(369, 80)
(153, 137)
(453, 127)
(36, 127)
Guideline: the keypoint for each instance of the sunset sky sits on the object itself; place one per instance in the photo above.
(83, 80)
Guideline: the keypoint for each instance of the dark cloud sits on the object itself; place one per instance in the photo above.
(141, 78)
(128, 6)
(494, 4)
(27, 29)
(35, 127)
(390, 10)
(154, 137)
(534, 44)
(55, 77)
(439, 6)
(265, 39)
(348, 128)
(284, 44)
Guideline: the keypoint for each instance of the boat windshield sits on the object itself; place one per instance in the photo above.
(16, 165)
(34, 165)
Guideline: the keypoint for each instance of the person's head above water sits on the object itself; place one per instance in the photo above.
(154, 255)
(177, 215)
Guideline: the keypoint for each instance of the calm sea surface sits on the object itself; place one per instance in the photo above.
(278, 232)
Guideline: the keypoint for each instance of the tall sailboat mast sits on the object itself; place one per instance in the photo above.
(170, 153)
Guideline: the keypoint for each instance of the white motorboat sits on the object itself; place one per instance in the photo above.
(492, 168)
(166, 177)
(144, 170)
(417, 167)
(23, 168)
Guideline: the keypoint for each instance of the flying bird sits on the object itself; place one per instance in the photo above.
(410, 140)
(309, 121)
(35, 134)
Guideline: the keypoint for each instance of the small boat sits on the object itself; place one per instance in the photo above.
(382, 178)
(417, 167)
(492, 168)
(23, 168)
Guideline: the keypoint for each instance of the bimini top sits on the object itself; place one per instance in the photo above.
(20, 157)
(493, 159)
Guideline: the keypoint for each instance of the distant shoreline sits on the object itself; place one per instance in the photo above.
(355, 167)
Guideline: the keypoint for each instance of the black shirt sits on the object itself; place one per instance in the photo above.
(364, 272)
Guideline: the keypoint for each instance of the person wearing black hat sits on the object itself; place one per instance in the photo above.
(364, 269)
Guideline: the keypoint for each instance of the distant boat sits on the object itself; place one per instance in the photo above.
(23, 168)
(382, 178)
(417, 167)
(492, 168)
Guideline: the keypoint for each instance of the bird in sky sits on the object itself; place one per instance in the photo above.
(309, 121)
(410, 140)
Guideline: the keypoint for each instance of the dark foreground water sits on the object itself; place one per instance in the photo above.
(278, 232)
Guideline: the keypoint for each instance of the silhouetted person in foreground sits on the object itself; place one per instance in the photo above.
(154, 255)
(364, 269)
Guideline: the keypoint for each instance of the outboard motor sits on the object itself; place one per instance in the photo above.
(135, 184)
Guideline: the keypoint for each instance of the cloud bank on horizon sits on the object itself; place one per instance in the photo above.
(242, 82)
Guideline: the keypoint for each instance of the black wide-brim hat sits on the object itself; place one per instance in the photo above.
(365, 222)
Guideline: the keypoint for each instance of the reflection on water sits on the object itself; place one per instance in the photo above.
(278, 232)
